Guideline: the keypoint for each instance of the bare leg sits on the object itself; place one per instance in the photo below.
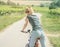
(36, 43)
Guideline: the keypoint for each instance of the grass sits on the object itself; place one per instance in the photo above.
(41, 9)
(55, 41)
(9, 19)
(9, 8)
(51, 23)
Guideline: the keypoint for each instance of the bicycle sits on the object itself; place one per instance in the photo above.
(36, 43)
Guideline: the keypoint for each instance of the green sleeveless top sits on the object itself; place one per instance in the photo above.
(34, 21)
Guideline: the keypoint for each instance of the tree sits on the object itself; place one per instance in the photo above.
(58, 3)
(51, 7)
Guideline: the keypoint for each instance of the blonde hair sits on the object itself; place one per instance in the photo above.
(30, 9)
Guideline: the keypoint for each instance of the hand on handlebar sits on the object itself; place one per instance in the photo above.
(26, 32)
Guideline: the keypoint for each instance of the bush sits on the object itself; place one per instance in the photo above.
(52, 6)
(58, 3)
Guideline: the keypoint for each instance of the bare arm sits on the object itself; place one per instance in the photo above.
(25, 25)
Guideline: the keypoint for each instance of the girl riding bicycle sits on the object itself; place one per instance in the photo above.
(37, 32)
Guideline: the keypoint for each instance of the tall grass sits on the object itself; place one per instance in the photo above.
(9, 19)
(55, 41)
(51, 23)
(9, 15)
(5, 9)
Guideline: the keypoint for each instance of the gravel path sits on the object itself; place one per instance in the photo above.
(12, 37)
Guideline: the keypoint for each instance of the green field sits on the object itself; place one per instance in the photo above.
(9, 15)
(55, 41)
(10, 8)
(9, 19)
(51, 23)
